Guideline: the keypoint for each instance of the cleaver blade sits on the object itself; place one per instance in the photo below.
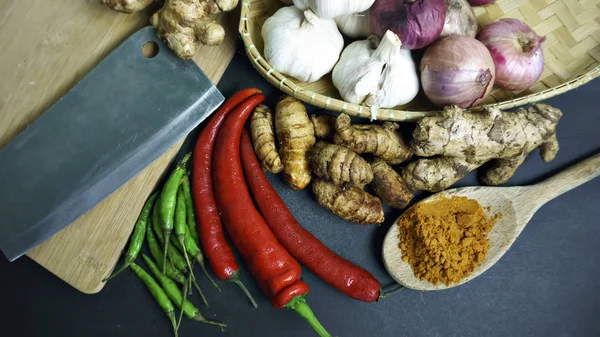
(119, 118)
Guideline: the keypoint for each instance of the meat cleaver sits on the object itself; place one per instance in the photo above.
(124, 114)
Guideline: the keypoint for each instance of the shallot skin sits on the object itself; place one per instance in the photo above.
(416, 22)
(457, 70)
(517, 53)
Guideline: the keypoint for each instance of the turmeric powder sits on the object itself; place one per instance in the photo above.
(445, 240)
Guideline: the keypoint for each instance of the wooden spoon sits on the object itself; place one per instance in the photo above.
(517, 205)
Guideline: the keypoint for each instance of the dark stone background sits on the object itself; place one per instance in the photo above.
(546, 285)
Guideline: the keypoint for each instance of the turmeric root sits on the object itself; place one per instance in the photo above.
(323, 125)
(389, 186)
(464, 141)
(353, 204)
(296, 137)
(340, 165)
(263, 138)
(127, 6)
(383, 141)
(184, 24)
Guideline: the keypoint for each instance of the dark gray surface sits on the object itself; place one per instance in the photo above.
(546, 285)
(116, 121)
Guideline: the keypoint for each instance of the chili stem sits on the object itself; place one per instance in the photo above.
(185, 288)
(235, 278)
(175, 326)
(200, 292)
(192, 248)
(208, 275)
(125, 266)
(187, 259)
(391, 292)
(299, 305)
(198, 317)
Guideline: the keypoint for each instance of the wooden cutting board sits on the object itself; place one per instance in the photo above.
(47, 47)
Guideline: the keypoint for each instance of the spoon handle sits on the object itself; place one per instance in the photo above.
(567, 180)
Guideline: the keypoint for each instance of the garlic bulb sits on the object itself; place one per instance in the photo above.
(355, 25)
(334, 8)
(301, 44)
(378, 74)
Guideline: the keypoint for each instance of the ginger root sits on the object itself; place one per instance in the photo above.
(184, 24)
(263, 138)
(383, 141)
(436, 174)
(353, 204)
(296, 136)
(227, 5)
(323, 125)
(340, 165)
(127, 6)
(389, 186)
(464, 141)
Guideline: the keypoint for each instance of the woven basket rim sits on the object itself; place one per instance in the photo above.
(289, 86)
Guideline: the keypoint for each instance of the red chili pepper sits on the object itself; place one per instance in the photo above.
(346, 277)
(275, 270)
(212, 238)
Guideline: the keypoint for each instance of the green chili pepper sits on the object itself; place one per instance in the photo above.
(137, 238)
(157, 292)
(157, 254)
(175, 294)
(175, 243)
(181, 225)
(174, 255)
(189, 207)
(171, 272)
(168, 199)
(192, 248)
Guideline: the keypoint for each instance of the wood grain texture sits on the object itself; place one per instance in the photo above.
(47, 47)
(516, 204)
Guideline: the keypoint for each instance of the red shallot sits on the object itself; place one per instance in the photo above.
(457, 70)
(416, 22)
(517, 53)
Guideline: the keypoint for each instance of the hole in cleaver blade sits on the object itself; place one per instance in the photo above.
(123, 115)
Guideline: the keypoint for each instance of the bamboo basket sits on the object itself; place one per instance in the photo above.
(571, 52)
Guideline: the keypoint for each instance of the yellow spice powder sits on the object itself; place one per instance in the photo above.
(446, 239)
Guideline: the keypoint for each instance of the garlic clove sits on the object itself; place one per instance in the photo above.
(376, 73)
(348, 72)
(355, 25)
(368, 79)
